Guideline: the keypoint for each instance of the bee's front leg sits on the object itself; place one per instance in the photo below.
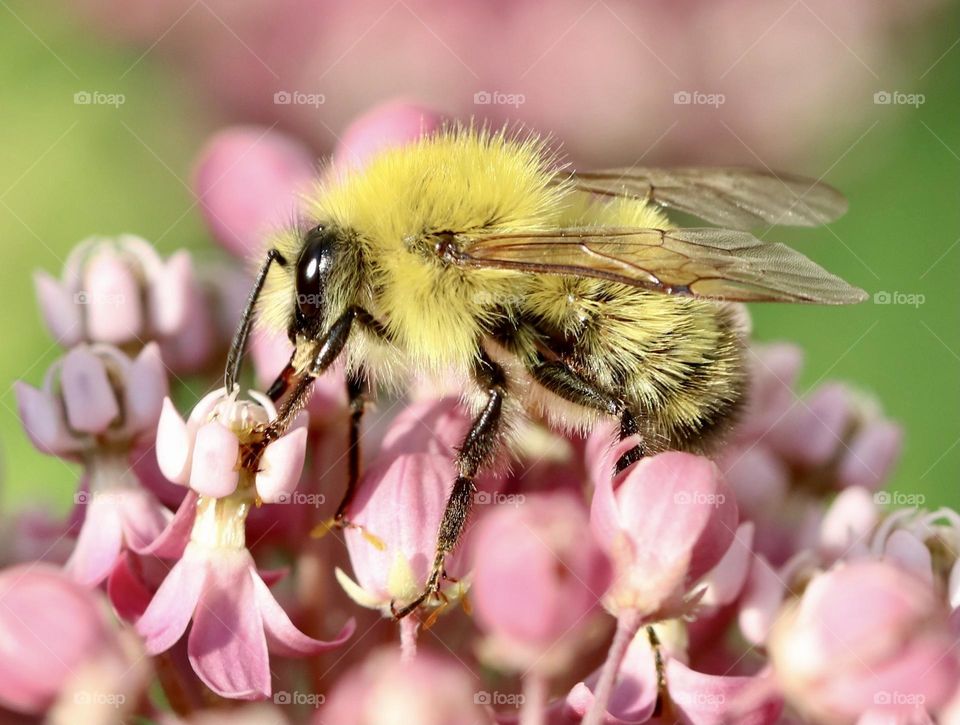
(479, 447)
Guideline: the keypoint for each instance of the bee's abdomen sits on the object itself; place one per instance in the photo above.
(676, 363)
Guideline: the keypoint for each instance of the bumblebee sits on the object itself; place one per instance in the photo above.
(551, 294)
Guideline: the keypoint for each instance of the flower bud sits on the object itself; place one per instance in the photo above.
(118, 291)
(670, 521)
(542, 547)
(50, 627)
(865, 638)
(429, 690)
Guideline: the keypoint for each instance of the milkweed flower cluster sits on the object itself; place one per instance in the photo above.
(202, 564)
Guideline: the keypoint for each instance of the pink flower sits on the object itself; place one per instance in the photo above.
(55, 641)
(236, 619)
(118, 291)
(247, 179)
(695, 698)
(789, 453)
(665, 522)
(94, 397)
(669, 522)
(386, 125)
(203, 452)
(430, 690)
(99, 406)
(397, 511)
(542, 547)
(865, 638)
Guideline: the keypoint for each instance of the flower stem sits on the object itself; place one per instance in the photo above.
(533, 709)
(409, 628)
(628, 624)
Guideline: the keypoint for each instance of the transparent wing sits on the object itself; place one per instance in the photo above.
(736, 198)
(708, 262)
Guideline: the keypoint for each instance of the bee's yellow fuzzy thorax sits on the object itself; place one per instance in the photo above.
(463, 180)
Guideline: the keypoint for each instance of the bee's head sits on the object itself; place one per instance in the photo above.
(313, 270)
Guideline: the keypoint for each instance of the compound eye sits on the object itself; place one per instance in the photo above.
(313, 266)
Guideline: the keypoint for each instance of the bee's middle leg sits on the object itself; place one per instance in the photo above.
(557, 377)
(356, 395)
(478, 448)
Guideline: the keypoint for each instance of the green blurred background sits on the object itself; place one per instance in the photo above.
(68, 171)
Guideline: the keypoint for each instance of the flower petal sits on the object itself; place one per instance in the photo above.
(702, 699)
(247, 180)
(173, 444)
(172, 293)
(145, 390)
(213, 471)
(43, 421)
(634, 695)
(172, 607)
(172, 541)
(111, 293)
(87, 394)
(129, 596)
(811, 432)
(848, 522)
(678, 519)
(283, 637)
(60, 310)
(725, 581)
(910, 553)
(281, 466)
(100, 540)
(871, 455)
(390, 124)
(357, 593)
(762, 597)
(227, 645)
(143, 517)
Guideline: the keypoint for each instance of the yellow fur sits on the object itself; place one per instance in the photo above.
(677, 360)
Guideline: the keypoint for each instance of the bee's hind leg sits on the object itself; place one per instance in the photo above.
(356, 392)
(479, 446)
(629, 427)
(557, 377)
